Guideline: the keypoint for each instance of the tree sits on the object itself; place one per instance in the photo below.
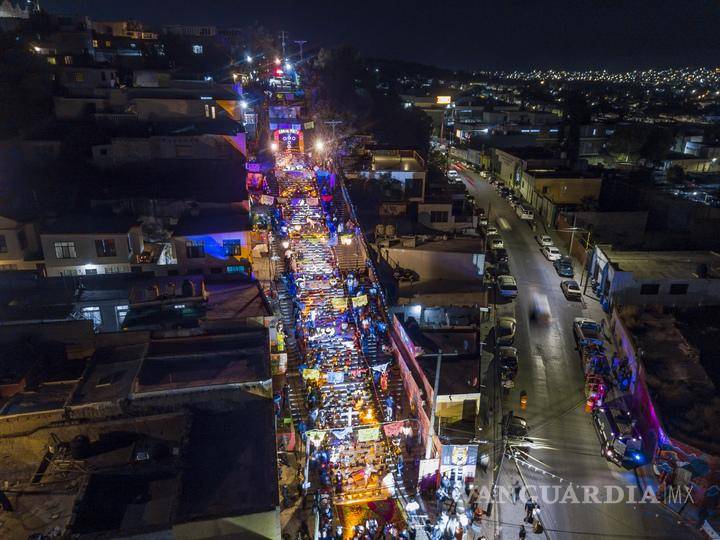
(676, 174)
(640, 141)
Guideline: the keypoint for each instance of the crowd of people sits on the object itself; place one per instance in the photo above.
(351, 430)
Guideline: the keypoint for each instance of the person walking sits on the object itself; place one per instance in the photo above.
(523, 533)
(529, 507)
(516, 490)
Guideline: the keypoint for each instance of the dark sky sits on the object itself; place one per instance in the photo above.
(475, 34)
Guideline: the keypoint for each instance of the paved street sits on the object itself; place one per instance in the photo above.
(551, 373)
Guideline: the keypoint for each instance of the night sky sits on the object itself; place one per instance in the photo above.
(471, 34)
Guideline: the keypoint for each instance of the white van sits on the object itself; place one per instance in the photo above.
(540, 308)
(525, 212)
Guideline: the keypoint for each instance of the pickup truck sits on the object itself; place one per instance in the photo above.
(587, 332)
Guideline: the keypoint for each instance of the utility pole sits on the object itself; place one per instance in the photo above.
(300, 43)
(333, 123)
(283, 35)
(433, 408)
(572, 234)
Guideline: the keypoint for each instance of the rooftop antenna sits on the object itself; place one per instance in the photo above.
(283, 35)
(300, 43)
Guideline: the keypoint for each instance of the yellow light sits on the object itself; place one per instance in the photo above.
(443, 100)
(274, 147)
(319, 145)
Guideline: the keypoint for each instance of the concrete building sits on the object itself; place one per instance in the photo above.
(87, 245)
(550, 191)
(19, 245)
(403, 166)
(196, 30)
(665, 278)
(509, 163)
(214, 244)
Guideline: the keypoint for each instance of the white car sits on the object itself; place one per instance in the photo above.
(489, 231)
(507, 286)
(544, 240)
(496, 243)
(452, 174)
(551, 253)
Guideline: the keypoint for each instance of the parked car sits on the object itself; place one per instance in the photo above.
(505, 192)
(505, 330)
(544, 240)
(502, 268)
(496, 242)
(551, 253)
(500, 255)
(499, 185)
(571, 289)
(489, 231)
(507, 286)
(587, 331)
(453, 174)
(482, 221)
(515, 426)
(508, 359)
(564, 267)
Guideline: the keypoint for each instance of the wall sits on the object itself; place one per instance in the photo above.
(87, 253)
(214, 250)
(568, 190)
(451, 266)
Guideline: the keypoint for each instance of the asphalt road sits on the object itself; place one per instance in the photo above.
(550, 372)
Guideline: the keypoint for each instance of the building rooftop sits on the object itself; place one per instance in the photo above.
(234, 358)
(229, 472)
(236, 300)
(397, 163)
(563, 173)
(110, 374)
(529, 152)
(89, 224)
(455, 245)
(209, 223)
(646, 265)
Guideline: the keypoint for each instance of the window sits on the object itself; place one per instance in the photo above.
(103, 77)
(105, 248)
(8, 267)
(545, 189)
(92, 313)
(65, 250)
(197, 49)
(95, 43)
(438, 217)
(51, 60)
(207, 111)
(3, 244)
(108, 43)
(236, 269)
(212, 109)
(121, 312)
(91, 271)
(233, 248)
(68, 60)
(103, 151)
(679, 288)
(649, 288)
(195, 249)
(78, 76)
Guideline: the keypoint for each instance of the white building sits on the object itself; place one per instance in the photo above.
(19, 245)
(90, 245)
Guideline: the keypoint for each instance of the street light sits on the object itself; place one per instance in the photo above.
(319, 145)
(288, 66)
(243, 104)
(274, 146)
(277, 61)
(248, 59)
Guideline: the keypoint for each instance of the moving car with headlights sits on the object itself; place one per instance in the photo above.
(551, 253)
(507, 286)
(571, 289)
(540, 308)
